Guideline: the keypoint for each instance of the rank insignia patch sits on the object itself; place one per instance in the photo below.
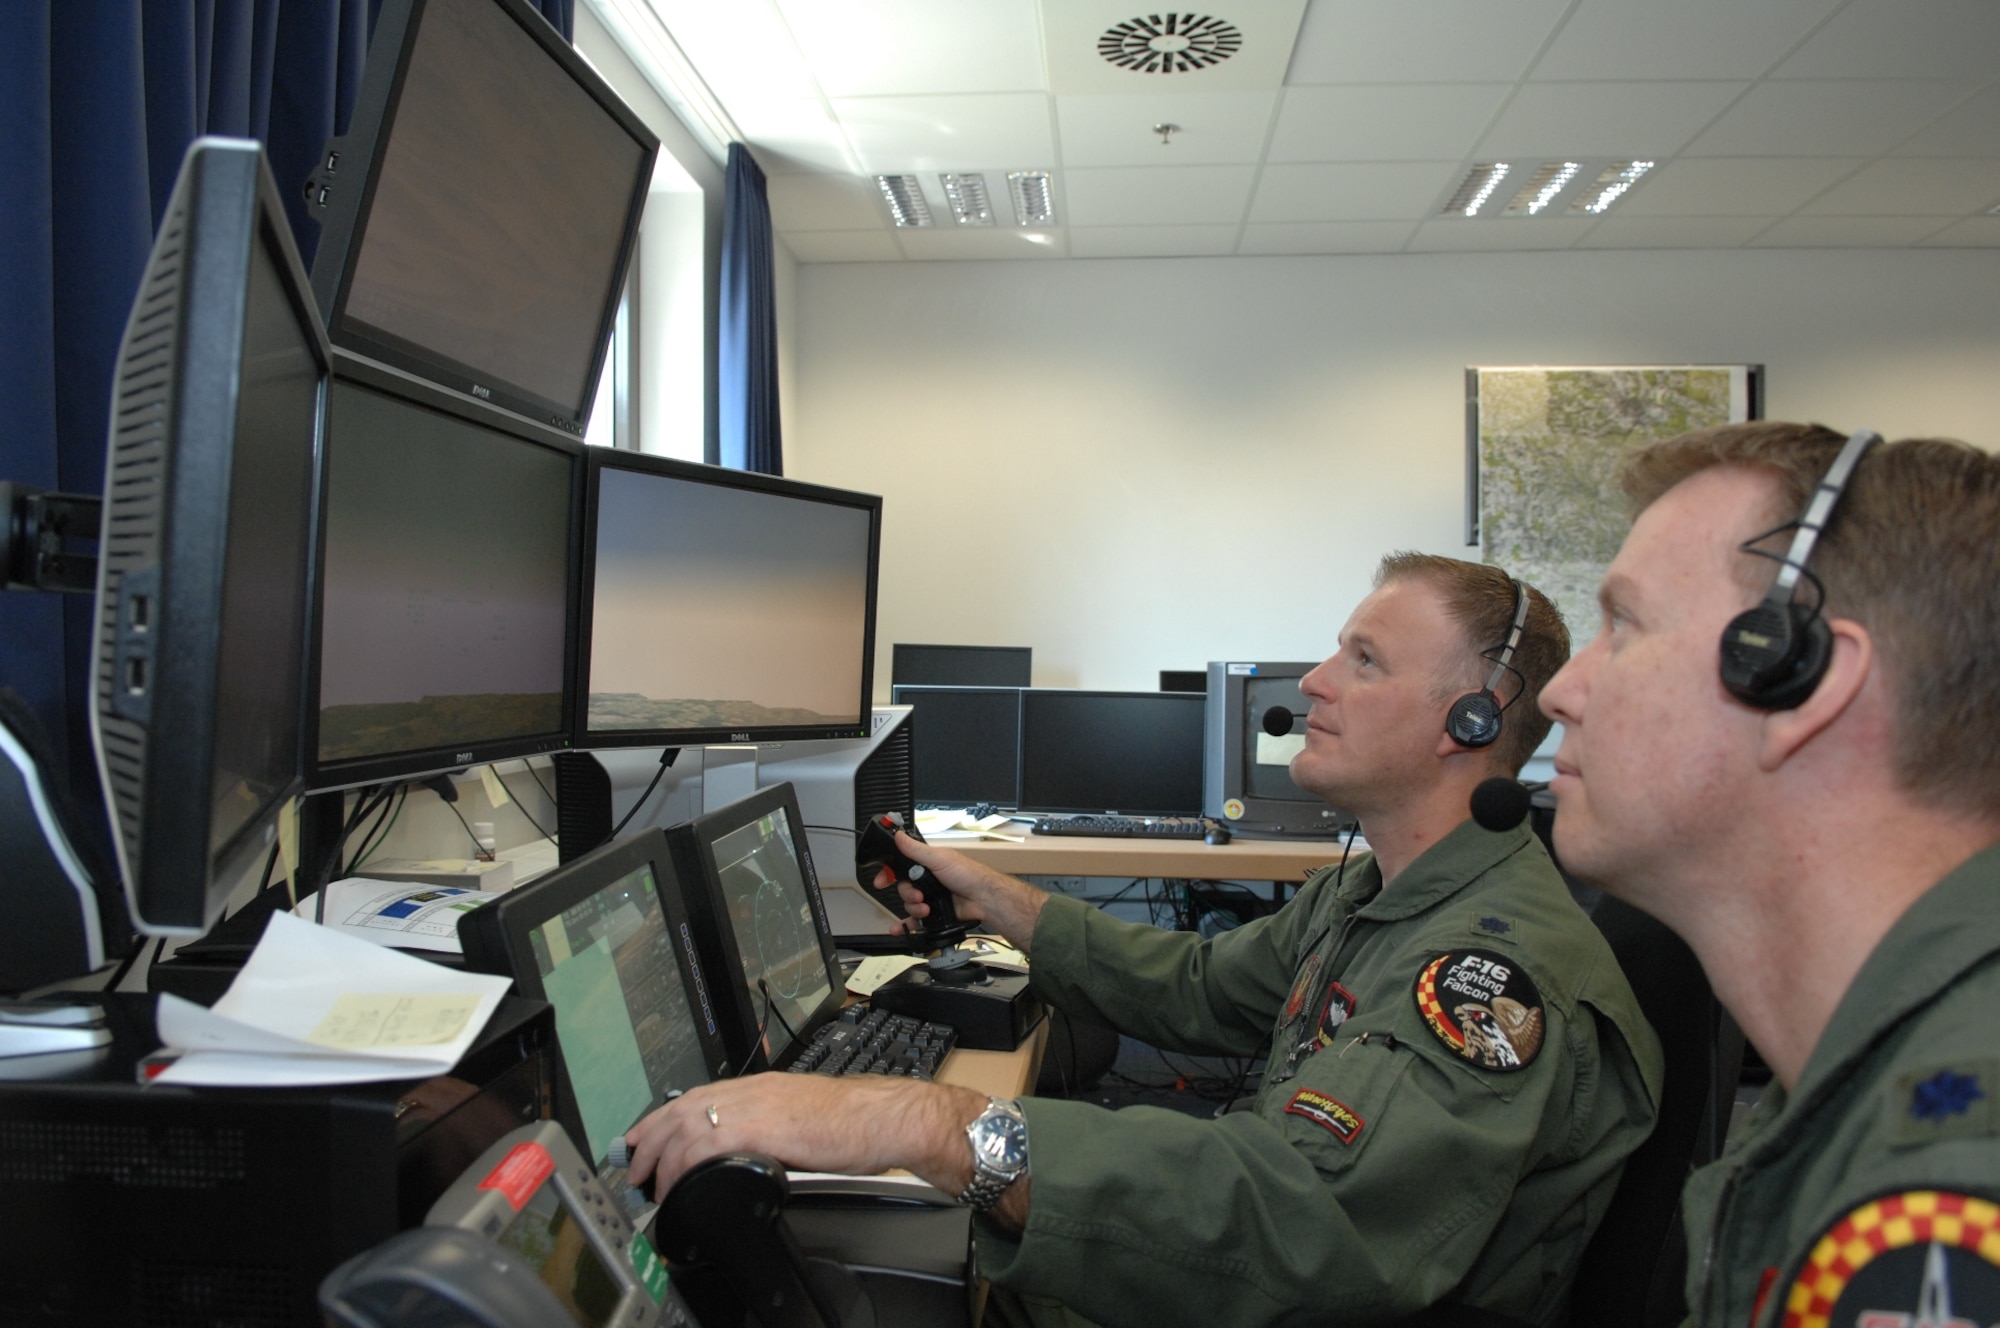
(1330, 1113)
(1482, 1008)
(1919, 1258)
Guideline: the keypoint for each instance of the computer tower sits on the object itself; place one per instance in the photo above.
(840, 785)
(159, 1206)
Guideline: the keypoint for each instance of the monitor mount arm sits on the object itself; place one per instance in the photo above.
(34, 524)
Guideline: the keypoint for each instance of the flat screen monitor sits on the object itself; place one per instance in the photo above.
(724, 606)
(965, 744)
(605, 939)
(448, 584)
(219, 396)
(1133, 753)
(961, 666)
(760, 925)
(1247, 770)
(481, 210)
(1183, 680)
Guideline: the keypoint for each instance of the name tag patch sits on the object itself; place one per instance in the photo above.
(1330, 1113)
(1482, 1008)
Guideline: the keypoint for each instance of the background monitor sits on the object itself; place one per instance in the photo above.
(219, 393)
(1134, 753)
(447, 595)
(966, 743)
(962, 666)
(605, 939)
(1183, 680)
(1246, 773)
(482, 208)
(723, 606)
(759, 925)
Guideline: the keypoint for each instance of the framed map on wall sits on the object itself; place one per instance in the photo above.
(1543, 446)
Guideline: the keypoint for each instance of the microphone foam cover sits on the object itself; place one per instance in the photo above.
(1500, 804)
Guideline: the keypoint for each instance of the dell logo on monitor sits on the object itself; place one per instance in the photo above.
(739, 737)
(463, 758)
(483, 393)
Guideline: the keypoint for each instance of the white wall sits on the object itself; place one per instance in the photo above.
(1141, 464)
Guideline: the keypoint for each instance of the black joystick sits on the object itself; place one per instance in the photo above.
(876, 847)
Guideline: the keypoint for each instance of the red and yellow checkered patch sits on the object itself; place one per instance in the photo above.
(1433, 1010)
(1919, 1217)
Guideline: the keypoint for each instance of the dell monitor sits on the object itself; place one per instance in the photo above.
(481, 210)
(448, 585)
(966, 744)
(1246, 768)
(1132, 753)
(961, 666)
(760, 926)
(723, 606)
(605, 939)
(218, 398)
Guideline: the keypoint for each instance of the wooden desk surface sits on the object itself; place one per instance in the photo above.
(1238, 860)
(998, 1073)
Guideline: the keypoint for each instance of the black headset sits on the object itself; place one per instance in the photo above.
(1474, 719)
(1775, 653)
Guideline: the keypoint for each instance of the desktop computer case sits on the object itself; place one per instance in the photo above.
(840, 784)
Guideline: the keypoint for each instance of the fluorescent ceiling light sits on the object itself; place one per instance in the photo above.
(906, 200)
(1477, 186)
(1542, 188)
(1609, 187)
(970, 205)
(1034, 202)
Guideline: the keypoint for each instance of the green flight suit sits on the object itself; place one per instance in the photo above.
(1381, 1169)
(1901, 1096)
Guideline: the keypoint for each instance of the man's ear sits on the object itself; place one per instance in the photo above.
(1850, 661)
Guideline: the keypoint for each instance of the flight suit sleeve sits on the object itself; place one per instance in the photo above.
(1366, 1185)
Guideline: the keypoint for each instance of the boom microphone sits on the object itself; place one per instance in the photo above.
(1501, 804)
(1279, 721)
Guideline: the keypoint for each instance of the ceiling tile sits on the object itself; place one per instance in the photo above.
(1850, 232)
(1826, 117)
(1215, 127)
(1705, 39)
(895, 134)
(1378, 123)
(1432, 41)
(795, 135)
(998, 242)
(1243, 49)
(1326, 237)
(1902, 39)
(1971, 129)
(1352, 191)
(1734, 186)
(1628, 232)
(1166, 195)
(1605, 119)
(890, 48)
(842, 246)
(825, 203)
(1151, 241)
(1914, 186)
(1509, 234)
(1972, 233)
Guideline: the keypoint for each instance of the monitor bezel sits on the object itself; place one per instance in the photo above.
(1192, 701)
(601, 459)
(362, 771)
(495, 937)
(693, 842)
(349, 203)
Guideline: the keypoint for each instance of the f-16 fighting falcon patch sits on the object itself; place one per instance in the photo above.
(1483, 1008)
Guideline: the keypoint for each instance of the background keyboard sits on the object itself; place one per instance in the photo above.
(863, 1041)
(1126, 827)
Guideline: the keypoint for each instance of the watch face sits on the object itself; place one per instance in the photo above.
(1001, 1141)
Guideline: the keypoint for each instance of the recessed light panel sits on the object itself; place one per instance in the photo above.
(1034, 199)
(906, 200)
(970, 205)
(1541, 189)
(1475, 189)
(1608, 187)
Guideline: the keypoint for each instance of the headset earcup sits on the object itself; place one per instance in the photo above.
(1773, 656)
(1474, 720)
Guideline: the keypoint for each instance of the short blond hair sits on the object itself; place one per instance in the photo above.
(1480, 599)
(1912, 553)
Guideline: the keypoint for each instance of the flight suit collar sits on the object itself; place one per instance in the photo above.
(1457, 862)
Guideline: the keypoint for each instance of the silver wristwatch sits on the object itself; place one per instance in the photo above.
(999, 1138)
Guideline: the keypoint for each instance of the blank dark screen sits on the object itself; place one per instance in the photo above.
(1136, 753)
(966, 743)
(962, 666)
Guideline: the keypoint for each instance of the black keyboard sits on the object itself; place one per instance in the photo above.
(1124, 827)
(863, 1041)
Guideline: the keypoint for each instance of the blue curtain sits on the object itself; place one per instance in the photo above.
(100, 98)
(747, 356)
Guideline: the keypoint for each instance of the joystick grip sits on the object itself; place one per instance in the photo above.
(877, 848)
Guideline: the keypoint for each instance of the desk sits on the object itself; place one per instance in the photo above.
(998, 1073)
(1075, 855)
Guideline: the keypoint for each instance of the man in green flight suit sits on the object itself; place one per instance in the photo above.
(1456, 1067)
(1786, 745)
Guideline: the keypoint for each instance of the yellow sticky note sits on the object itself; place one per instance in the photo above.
(288, 839)
(387, 1019)
(496, 793)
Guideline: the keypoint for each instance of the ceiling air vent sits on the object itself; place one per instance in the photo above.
(1169, 43)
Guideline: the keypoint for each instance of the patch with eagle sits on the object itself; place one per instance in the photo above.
(1482, 1008)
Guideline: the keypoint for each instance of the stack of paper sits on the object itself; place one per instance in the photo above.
(315, 1007)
